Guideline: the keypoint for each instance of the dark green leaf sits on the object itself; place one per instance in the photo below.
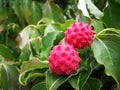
(6, 52)
(39, 86)
(54, 81)
(52, 11)
(92, 84)
(111, 16)
(16, 5)
(78, 82)
(2, 10)
(32, 11)
(9, 77)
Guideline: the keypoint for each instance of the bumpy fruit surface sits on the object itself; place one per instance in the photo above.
(63, 59)
(79, 35)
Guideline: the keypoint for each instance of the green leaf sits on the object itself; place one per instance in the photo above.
(26, 53)
(118, 1)
(53, 11)
(26, 34)
(98, 26)
(93, 84)
(93, 9)
(9, 77)
(67, 23)
(33, 64)
(48, 42)
(82, 6)
(38, 86)
(52, 28)
(28, 70)
(35, 45)
(85, 5)
(2, 10)
(32, 11)
(16, 5)
(106, 47)
(54, 81)
(78, 82)
(111, 16)
(6, 52)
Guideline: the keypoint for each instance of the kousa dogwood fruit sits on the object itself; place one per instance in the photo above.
(79, 34)
(63, 59)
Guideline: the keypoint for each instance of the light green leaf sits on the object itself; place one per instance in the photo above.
(33, 64)
(38, 86)
(26, 53)
(28, 70)
(93, 84)
(53, 11)
(93, 9)
(35, 45)
(9, 77)
(6, 52)
(85, 5)
(82, 6)
(52, 28)
(106, 47)
(26, 34)
(67, 23)
(97, 25)
(48, 42)
(111, 16)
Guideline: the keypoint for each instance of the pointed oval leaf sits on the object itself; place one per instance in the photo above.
(16, 5)
(82, 6)
(93, 84)
(106, 49)
(26, 34)
(48, 42)
(32, 11)
(53, 11)
(54, 81)
(98, 26)
(28, 68)
(9, 77)
(6, 52)
(111, 16)
(79, 81)
(93, 9)
(38, 86)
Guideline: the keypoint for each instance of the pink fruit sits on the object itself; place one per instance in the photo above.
(63, 59)
(79, 35)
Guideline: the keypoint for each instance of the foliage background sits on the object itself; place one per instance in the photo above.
(30, 28)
